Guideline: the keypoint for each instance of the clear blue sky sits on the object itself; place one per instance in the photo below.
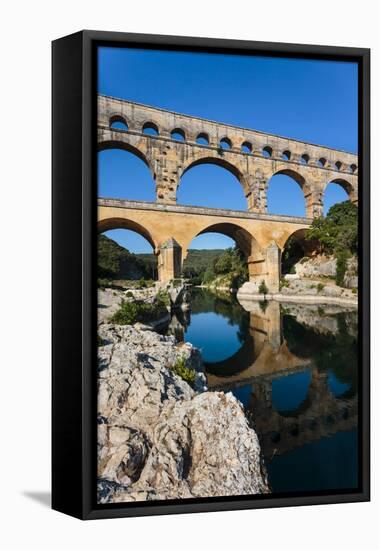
(314, 101)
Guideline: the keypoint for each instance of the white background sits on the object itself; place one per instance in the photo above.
(27, 27)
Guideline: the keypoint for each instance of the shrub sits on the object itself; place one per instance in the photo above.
(354, 290)
(163, 297)
(187, 374)
(292, 270)
(262, 289)
(284, 283)
(142, 283)
(342, 258)
(100, 341)
(320, 287)
(129, 294)
(138, 311)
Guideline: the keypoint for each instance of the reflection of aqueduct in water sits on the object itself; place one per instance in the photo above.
(252, 156)
(320, 414)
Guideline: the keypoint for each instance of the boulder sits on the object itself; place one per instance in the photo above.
(160, 438)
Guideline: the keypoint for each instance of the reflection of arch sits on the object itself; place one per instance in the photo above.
(122, 223)
(244, 240)
(218, 162)
(239, 362)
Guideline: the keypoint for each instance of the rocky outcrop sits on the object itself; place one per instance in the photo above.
(326, 266)
(160, 438)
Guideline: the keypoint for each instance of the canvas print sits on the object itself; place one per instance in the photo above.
(227, 275)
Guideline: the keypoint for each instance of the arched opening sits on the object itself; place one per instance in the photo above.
(217, 259)
(304, 159)
(267, 151)
(353, 168)
(246, 147)
(202, 139)
(285, 194)
(212, 183)
(150, 129)
(225, 143)
(295, 249)
(220, 251)
(286, 155)
(335, 192)
(125, 253)
(338, 165)
(118, 122)
(123, 173)
(178, 134)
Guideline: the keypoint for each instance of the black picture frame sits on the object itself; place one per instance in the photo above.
(74, 268)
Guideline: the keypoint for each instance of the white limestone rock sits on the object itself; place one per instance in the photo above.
(160, 439)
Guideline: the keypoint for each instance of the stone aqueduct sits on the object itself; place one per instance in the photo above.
(181, 142)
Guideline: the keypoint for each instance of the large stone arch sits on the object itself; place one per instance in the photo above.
(312, 196)
(113, 143)
(244, 240)
(346, 184)
(107, 224)
(217, 160)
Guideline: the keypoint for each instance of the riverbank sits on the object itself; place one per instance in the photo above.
(160, 436)
(303, 292)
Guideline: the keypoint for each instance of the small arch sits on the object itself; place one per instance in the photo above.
(321, 162)
(338, 165)
(178, 134)
(118, 122)
(353, 168)
(225, 143)
(304, 159)
(246, 147)
(202, 139)
(150, 129)
(267, 151)
(286, 155)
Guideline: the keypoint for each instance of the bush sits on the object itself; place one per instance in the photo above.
(320, 287)
(354, 290)
(142, 283)
(100, 341)
(163, 297)
(283, 283)
(129, 294)
(133, 312)
(342, 258)
(262, 289)
(187, 374)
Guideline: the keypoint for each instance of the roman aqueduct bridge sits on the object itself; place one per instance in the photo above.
(180, 142)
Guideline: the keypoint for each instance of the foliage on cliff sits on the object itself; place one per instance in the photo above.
(116, 262)
(338, 230)
(230, 269)
(337, 234)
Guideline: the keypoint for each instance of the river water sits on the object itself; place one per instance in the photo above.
(295, 370)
